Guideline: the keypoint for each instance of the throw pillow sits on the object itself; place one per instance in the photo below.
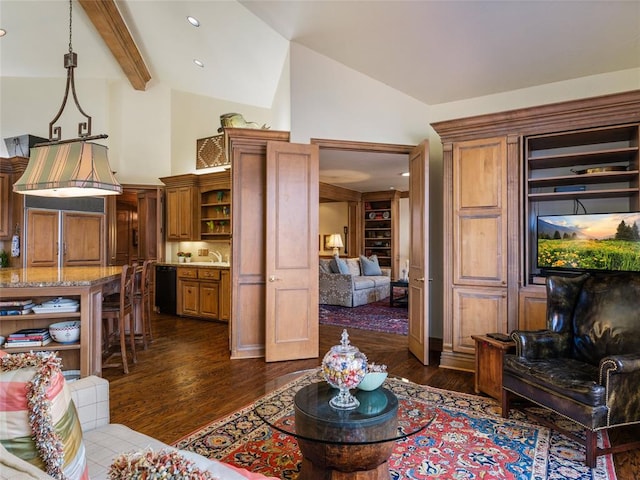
(338, 265)
(39, 421)
(150, 465)
(370, 265)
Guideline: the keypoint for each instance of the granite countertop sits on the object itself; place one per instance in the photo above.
(56, 277)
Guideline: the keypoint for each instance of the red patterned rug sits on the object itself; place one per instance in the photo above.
(376, 316)
(467, 440)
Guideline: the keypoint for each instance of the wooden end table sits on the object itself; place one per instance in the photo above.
(402, 300)
(489, 355)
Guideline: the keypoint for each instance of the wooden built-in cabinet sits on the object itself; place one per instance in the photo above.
(75, 356)
(203, 293)
(381, 215)
(82, 242)
(501, 171)
(198, 207)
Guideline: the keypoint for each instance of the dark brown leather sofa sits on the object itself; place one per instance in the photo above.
(586, 365)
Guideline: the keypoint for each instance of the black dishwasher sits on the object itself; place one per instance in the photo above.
(166, 289)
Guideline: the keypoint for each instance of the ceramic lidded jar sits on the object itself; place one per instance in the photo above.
(344, 367)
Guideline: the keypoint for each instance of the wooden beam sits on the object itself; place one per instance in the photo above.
(106, 18)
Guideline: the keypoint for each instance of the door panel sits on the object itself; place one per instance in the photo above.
(83, 239)
(291, 252)
(418, 258)
(42, 238)
(476, 311)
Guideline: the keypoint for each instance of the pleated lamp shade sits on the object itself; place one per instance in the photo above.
(73, 169)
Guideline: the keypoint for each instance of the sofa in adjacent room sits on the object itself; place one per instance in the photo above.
(345, 282)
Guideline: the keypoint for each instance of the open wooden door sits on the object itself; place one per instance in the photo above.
(418, 252)
(291, 322)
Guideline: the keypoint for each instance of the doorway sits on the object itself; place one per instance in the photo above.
(135, 221)
(346, 176)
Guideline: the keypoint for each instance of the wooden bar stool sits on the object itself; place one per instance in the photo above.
(142, 303)
(115, 309)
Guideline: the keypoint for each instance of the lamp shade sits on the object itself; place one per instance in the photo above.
(335, 241)
(73, 169)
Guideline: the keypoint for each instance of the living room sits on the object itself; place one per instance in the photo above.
(153, 133)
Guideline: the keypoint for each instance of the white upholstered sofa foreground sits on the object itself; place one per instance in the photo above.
(104, 441)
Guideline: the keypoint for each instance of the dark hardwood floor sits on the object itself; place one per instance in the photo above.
(186, 379)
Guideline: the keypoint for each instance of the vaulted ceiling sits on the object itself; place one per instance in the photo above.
(434, 51)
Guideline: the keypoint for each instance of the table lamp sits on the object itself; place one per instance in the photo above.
(335, 242)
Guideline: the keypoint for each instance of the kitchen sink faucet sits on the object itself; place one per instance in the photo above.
(217, 255)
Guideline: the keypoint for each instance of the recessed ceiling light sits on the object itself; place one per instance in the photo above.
(193, 21)
(405, 174)
(198, 63)
(3, 32)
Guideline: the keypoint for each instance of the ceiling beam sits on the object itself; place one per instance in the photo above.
(106, 18)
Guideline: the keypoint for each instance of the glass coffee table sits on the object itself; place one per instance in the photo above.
(343, 443)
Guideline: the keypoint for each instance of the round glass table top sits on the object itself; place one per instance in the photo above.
(304, 412)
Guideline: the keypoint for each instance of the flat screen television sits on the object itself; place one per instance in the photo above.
(589, 242)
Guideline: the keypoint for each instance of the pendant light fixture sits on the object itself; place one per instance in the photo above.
(69, 168)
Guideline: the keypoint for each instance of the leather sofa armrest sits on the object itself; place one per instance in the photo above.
(619, 364)
(539, 344)
(620, 375)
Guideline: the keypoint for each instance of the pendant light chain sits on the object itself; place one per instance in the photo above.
(70, 24)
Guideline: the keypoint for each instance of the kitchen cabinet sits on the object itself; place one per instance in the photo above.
(180, 213)
(86, 284)
(199, 292)
(5, 208)
(65, 238)
(215, 206)
(198, 207)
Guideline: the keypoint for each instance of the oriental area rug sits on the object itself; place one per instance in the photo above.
(467, 440)
(377, 316)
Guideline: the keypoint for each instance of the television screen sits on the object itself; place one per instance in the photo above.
(590, 242)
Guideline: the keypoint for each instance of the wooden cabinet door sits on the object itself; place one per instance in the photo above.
(225, 295)
(189, 302)
(5, 208)
(476, 311)
(83, 239)
(532, 311)
(209, 299)
(180, 213)
(42, 238)
(480, 212)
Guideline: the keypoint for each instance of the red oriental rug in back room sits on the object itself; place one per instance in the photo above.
(467, 440)
(377, 316)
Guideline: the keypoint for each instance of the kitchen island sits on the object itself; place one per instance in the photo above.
(87, 285)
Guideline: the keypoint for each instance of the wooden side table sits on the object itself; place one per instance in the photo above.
(489, 355)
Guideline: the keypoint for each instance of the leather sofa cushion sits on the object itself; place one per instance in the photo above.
(566, 376)
(607, 317)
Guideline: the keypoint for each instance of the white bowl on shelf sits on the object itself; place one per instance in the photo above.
(65, 332)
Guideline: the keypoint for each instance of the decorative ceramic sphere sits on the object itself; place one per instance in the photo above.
(344, 367)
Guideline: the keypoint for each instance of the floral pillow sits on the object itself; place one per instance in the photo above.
(39, 420)
(150, 465)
